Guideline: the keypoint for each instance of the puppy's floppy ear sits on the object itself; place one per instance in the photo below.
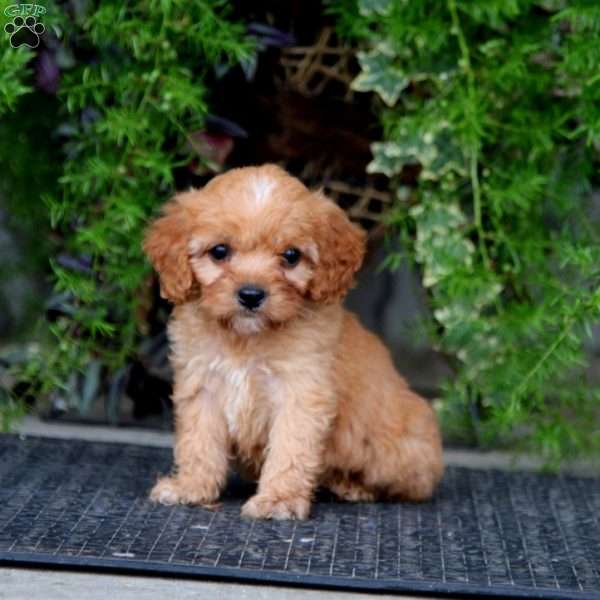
(341, 249)
(166, 244)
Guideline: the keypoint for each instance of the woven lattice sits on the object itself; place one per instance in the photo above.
(367, 202)
(364, 201)
(310, 70)
(328, 67)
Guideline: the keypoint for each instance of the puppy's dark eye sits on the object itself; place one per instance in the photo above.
(220, 251)
(291, 257)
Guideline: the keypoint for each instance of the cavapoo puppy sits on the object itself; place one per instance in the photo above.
(272, 374)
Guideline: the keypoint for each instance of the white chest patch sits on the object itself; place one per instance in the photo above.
(239, 388)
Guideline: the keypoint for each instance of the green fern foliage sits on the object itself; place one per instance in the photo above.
(12, 77)
(130, 100)
(14, 71)
(497, 105)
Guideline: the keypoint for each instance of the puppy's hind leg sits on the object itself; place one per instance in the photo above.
(410, 472)
(349, 487)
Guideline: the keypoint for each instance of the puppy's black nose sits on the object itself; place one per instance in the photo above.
(251, 297)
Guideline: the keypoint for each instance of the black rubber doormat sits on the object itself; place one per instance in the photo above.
(76, 504)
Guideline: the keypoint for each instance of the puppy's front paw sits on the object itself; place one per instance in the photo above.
(179, 490)
(263, 506)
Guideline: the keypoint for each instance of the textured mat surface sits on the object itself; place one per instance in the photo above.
(83, 505)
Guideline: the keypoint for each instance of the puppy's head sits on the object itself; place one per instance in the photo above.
(256, 247)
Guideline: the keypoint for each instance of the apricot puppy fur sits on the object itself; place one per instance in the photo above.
(272, 374)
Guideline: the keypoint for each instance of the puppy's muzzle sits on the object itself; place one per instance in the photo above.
(251, 297)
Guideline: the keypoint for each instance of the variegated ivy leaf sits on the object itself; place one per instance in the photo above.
(434, 218)
(447, 158)
(440, 245)
(380, 74)
(472, 339)
(442, 259)
(388, 158)
(467, 305)
(380, 7)
(434, 151)
(444, 251)
(478, 351)
(403, 193)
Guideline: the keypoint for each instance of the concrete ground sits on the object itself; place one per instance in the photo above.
(30, 584)
(40, 584)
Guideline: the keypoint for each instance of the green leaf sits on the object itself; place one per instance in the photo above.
(379, 7)
(380, 73)
(435, 151)
(440, 245)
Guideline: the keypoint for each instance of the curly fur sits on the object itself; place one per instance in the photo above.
(296, 394)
